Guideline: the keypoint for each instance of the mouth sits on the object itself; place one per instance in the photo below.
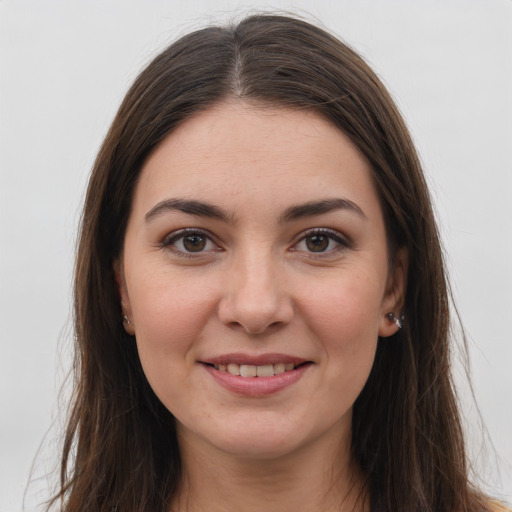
(253, 371)
(256, 376)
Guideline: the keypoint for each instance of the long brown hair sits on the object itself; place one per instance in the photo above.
(120, 448)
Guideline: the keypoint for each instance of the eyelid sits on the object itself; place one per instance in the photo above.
(343, 240)
(171, 238)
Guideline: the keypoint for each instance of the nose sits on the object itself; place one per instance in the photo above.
(255, 298)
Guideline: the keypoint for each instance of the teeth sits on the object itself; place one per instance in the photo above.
(279, 368)
(249, 370)
(265, 371)
(234, 369)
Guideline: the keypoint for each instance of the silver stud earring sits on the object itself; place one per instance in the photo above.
(127, 321)
(397, 320)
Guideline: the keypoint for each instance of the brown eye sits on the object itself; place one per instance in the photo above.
(317, 243)
(189, 242)
(322, 241)
(194, 243)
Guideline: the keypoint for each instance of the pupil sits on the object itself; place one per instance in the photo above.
(317, 243)
(194, 243)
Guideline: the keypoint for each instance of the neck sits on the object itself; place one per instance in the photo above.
(315, 477)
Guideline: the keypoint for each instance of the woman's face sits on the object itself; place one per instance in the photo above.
(256, 246)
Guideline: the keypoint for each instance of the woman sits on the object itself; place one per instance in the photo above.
(260, 301)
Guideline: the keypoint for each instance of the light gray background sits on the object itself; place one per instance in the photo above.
(64, 67)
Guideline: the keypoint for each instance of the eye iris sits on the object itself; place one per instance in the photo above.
(194, 243)
(317, 243)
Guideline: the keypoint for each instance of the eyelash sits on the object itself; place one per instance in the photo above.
(174, 237)
(330, 234)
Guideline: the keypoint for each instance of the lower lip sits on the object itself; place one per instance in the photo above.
(257, 386)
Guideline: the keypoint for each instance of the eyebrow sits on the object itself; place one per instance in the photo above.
(320, 207)
(296, 212)
(191, 207)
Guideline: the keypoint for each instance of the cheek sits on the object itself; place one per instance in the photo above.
(349, 306)
(169, 322)
(344, 318)
(169, 316)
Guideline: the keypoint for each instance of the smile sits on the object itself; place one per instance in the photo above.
(250, 370)
(256, 376)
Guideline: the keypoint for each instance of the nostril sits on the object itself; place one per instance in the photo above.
(247, 311)
(255, 328)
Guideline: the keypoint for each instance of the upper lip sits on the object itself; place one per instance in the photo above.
(256, 360)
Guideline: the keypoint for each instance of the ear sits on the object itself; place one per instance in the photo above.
(394, 296)
(128, 323)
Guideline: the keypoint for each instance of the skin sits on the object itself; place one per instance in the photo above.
(255, 284)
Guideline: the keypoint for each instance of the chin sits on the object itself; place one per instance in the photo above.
(268, 436)
(260, 446)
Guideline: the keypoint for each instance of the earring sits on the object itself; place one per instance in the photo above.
(397, 320)
(126, 320)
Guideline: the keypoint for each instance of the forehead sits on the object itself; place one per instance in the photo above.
(246, 155)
